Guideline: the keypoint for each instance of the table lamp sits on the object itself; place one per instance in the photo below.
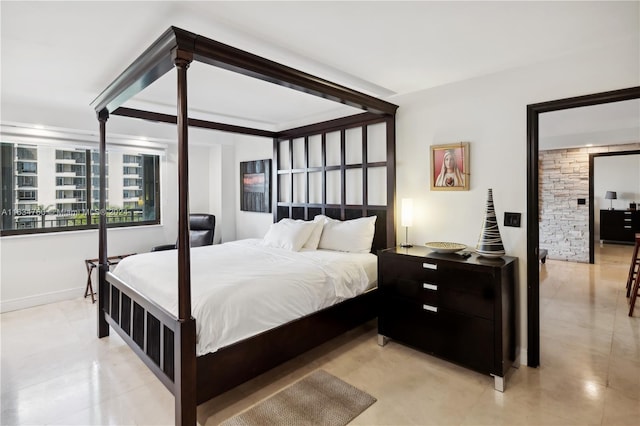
(406, 219)
(611, 195)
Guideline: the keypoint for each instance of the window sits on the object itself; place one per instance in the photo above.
(62, 192)
(27, 195)
(27, 181)
(27, 167)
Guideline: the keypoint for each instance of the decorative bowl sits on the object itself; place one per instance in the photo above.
(445, 247)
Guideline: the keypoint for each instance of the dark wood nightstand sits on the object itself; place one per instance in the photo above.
(461, 309)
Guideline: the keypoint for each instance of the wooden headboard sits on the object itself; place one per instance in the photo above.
(344, 169)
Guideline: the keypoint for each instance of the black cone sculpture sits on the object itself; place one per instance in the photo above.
(490, 243)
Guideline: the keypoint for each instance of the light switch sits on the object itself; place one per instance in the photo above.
(512, 219)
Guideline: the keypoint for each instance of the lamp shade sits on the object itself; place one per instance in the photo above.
(406, 216)
(611, 195)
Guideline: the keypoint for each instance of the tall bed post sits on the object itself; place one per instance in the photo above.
(185, 352)
(275, 179)
(391, 179)
(103, 326)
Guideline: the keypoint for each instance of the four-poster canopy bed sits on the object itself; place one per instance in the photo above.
(165, 341)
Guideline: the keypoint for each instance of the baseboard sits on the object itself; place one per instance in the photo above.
(40, 299)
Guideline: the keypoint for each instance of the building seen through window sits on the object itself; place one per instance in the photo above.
(48, 189)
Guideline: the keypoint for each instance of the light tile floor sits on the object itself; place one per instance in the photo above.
(55, 371)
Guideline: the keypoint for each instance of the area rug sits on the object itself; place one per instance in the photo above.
(317, 399)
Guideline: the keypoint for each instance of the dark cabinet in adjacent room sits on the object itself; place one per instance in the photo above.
(619, 226)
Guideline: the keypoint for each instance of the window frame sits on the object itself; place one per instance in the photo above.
(89, 176)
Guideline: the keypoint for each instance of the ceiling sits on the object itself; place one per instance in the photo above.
(56, 57)
(596, 125)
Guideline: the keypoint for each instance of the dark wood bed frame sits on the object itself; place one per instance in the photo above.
(166, 343)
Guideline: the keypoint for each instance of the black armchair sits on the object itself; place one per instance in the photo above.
(201, 229)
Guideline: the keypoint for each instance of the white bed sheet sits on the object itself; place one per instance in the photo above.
(242, 288)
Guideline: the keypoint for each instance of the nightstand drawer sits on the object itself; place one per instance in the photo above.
(409, 323)
(456, 337)
(409, 268)
(418, 291)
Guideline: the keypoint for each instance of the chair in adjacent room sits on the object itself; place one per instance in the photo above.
(635, 264)
(633, 280)
(201, 230)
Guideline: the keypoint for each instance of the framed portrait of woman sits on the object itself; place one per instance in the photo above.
(450, 167)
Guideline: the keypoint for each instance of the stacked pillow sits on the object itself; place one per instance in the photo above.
(354, 236)
(289, 234)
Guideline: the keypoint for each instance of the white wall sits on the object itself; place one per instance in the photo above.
(490, 112)
(620, 173)
(228, 193)
(249, 148)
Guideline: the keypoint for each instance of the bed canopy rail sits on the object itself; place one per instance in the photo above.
(158, 59)
(192, 122)
(177, 48)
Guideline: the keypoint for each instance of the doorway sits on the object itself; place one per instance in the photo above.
(533, 273)
(619, 196)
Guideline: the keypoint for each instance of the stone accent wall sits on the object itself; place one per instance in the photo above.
(563, 178)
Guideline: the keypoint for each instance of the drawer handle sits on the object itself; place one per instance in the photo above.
(627, 212)
(627, 227)
(430, 308)
(627, 220)
(430, 266)
(430, 286)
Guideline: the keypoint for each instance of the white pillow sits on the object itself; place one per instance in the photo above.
(314, 238)
(288, 234)
(355, 235)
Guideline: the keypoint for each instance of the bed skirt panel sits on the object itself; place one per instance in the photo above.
(230, 366)
(146, 327)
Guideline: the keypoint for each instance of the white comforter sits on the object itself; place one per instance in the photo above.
(242, 288)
